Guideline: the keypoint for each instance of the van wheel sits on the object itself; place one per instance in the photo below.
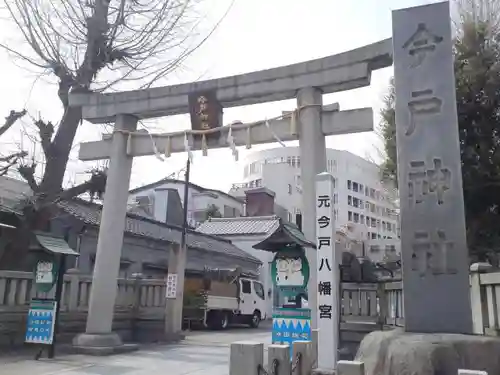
(223, 320)
(254, 323)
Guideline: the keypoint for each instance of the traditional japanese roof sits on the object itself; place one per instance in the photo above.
(12, 192)
(90, 213)
(285, 234)
(240, 226)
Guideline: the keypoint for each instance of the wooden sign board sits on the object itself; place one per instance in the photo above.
(205, 110)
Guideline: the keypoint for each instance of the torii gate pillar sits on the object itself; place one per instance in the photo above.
(98, 335)
(312, 162)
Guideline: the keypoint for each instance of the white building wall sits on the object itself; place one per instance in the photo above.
(277, 168)
(198, 201)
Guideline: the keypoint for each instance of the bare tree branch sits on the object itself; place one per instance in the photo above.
(94, 186)
(45, 130)
(10, 161)
(11, 119)
(27, 171)
(80, 40)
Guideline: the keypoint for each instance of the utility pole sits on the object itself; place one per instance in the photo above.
(186, 202)
(176, 270)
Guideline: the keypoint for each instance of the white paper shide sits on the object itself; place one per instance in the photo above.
(328, 273)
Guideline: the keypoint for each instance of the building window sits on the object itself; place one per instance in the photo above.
(349, 215)
(390, 248)
(374, 236)
(258, 183)
(349, 200)
(373, 222)
(336, 213)
(356, 217)
(349, 184)
(355, 202)
(289, 189)
(355, 187)
(335, 198)
(361, 188)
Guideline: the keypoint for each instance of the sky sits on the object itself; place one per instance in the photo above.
(255, 35)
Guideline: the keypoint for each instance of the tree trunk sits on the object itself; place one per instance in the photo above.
(59, 151)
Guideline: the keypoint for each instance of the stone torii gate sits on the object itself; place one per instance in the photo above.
(310, 124)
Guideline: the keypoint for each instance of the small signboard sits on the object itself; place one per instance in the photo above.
(205, 110)
(41, 320)
(171, 292)
(44, 273)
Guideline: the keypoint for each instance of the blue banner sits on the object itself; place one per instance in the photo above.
(41, 320)
(287, 330)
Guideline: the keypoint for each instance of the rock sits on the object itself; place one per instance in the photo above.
(396, 352)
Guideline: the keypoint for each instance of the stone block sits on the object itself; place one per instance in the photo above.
(397, 352)
(350, 368)
(304, 351)
(246, 357)
(281, 354)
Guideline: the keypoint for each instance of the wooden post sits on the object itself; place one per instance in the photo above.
(74, 285)
(350, 368)
(280, 354)
(136, 307)
(302, 360)
(246, 358)
(384, 306)
(476, 270)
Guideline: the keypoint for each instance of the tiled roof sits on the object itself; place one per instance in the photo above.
(12, 191)
(240, 226)
(91, 214)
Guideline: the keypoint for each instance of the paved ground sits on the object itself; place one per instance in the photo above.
(202, 353)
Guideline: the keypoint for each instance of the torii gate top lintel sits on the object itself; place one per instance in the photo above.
(344, 71)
